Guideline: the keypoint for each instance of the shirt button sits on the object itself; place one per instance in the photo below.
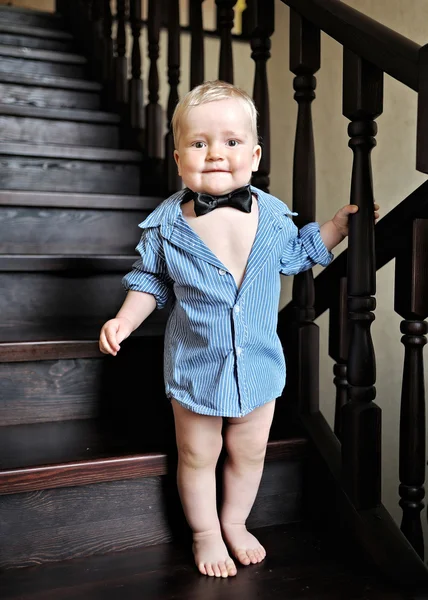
(221, 272)
(238, 351)
(237, 308)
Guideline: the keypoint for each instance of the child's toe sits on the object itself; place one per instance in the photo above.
(231, 568)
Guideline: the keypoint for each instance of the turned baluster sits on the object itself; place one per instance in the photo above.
(121, 62)
(108, 58)
(304, 62)
(197, 52)
(411, 303)
(135, 89)
(153, 171)
(225, 17)
(173, 181)
(96, 39)
(361, 417)
(260, 20)
(338, 349)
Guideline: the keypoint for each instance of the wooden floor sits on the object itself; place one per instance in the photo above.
(298, 566)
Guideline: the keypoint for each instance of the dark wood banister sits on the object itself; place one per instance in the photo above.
(389, 51)
(390, 240)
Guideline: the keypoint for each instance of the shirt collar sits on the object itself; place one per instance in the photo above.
(166, 214)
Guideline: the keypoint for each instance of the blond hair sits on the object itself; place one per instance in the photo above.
(210, 91)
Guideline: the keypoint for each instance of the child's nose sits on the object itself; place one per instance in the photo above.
(214, 152)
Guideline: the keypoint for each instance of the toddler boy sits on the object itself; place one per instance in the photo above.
(217, 247)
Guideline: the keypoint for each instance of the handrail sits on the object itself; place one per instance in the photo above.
(391, 234)
(389, 51)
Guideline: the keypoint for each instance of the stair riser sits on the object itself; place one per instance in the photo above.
(44, 391)
(29, 299)
(47, 97)
(41, 231)
(53, 525)
(68, 175)
(46, 131)
(23, 41)
(40, 67)
(17, 17)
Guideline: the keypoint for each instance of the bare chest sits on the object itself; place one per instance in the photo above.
(228, 233)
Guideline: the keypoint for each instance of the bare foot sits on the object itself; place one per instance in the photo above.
(244, 546)
(211, 555)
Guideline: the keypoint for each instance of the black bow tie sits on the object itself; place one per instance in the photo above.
(205, 203)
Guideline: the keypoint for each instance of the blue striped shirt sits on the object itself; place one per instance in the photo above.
(222, 354)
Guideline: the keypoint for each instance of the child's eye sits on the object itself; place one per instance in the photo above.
(232, 143)
(198, 144)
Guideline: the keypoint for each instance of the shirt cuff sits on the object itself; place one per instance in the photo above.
(314, 246)
(142, 282)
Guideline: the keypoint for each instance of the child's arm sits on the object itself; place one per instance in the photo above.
(149, 286)
(312, 244)
(136, 308)
(335, 230)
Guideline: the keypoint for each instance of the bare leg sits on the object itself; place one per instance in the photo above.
(245, 440)
(199, 442)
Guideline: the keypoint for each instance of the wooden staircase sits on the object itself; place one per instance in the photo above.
(86, 447)
(88, 502)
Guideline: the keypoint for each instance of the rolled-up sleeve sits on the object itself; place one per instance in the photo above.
(304, 250)
(149, 273)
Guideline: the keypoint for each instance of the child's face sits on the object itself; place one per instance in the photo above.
(216, 151)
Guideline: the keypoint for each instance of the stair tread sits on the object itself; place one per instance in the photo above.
(71, 200)
(76, 330)
(69, 453)
(51, 81)
(63, 114)
(300, 563)
(44, 55)
(58, 263)
(72, 152)
(53, 34)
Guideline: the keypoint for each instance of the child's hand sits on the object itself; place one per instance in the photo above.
(341, 218)
(113, 332)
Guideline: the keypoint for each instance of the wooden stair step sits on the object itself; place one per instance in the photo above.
(61, 114)
(31, 17)
(50, 81)
(65, 58)
(77, 169)
(91, 488)
(10, 64)
(70, 453)
(28, 31)
(74, 329)
(43, 62)
(38, 125)
(70, 152)
(34, 223)
(35, 37)
(23, 95)
(72, 380)
(44, 292)
(300, 563)
(70, 200)
(77, 264)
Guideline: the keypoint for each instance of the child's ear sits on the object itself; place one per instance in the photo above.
(177, 160)
(257, 154)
